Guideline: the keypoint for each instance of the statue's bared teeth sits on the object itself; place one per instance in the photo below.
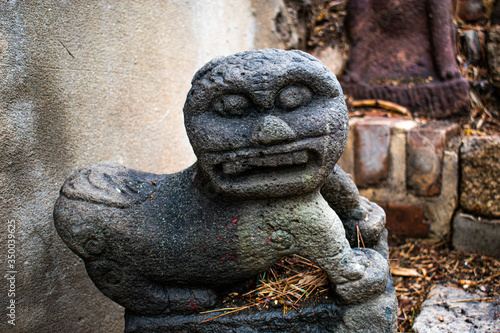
(229, 168)
(238, 166)
(286, 159)
(255, 161)
(241, 166)
(299, 157)
(271, 161)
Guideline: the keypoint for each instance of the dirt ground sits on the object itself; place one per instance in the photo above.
(417, 265)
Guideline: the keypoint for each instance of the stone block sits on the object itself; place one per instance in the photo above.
(405, 220)
(372, 143)
(445, 311)
(480, 170)
(425, 147)
(493, 52)
(438, 210)
(476, 234)
(396, 182)
(468, 10)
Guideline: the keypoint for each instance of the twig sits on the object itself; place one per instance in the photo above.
(360, 237)
(486, 299)
(383, 104)
(217, 310)
(235, 310)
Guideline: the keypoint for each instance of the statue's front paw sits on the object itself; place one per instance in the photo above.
(371, 283)
(365, 224)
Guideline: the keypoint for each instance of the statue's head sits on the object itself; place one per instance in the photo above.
(266, 123)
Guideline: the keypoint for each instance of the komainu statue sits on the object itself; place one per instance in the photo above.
(267, 127)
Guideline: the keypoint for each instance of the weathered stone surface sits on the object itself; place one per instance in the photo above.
(493, 52)
(424, 163)
(405, 220)
(480, 171)
(90, 81)
(410, 64)
(445, 311)
(476, 234)
(340, 182)
(267, 127)
(439, 210)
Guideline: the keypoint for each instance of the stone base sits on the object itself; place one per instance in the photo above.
(376, 315)
(435, 99)
(445, 311)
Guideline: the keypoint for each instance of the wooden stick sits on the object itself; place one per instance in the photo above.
(383, 104)
(487, 299)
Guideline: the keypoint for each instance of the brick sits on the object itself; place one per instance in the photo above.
(372, 143)
(476, 234)
(438, 210)
(480, 175)
(396, 183)
(405, 220)
(425, 146)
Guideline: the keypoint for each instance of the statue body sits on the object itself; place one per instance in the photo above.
(267, 127)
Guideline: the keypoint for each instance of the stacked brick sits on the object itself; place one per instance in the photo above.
(409, 168)
(428, 179)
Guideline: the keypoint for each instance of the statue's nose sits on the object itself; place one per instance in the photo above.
(271, 130)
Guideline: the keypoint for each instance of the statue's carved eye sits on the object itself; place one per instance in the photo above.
(292, 97)
(233, 106)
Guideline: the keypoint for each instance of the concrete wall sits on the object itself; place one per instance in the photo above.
(91, 81)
